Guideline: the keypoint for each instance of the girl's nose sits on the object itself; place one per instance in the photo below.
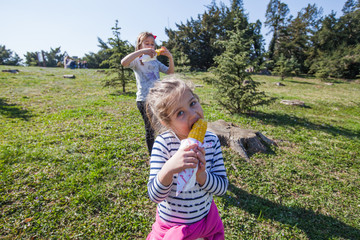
(194, 114)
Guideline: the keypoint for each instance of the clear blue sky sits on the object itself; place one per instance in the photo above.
(33, 25)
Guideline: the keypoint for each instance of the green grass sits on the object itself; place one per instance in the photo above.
(73, 160)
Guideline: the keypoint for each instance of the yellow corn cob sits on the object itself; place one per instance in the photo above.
(160, 50)
(198, 130)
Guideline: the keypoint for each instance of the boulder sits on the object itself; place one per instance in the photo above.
(69, 76)
(245, 142)
(245, 82)
(10, 70)
(293, 102)
(279, 84)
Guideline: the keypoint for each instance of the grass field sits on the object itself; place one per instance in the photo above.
(73, 160)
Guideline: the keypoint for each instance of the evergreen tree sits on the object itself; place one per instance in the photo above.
(95, 60)
(181, 61)
(7, 57)
(286, 67)
(197, 38)
(258, 50)
(336, 48)
(31, 59)
(295, 40)
(343, 62)
(53, 58)
(237, 91)
(118, 50)
(276, 20)
(350, 6)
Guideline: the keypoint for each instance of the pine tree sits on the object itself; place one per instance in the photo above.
(295, 40)
(286, 66)
(7, 57)
(54, 57)
(336, 51)
(238, 93)
(181, 60)
(118, 50)
(197, 37)
(276, 20)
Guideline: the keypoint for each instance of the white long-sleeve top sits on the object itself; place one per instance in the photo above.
(193, 205)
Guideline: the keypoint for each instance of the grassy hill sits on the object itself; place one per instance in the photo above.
(73, 160)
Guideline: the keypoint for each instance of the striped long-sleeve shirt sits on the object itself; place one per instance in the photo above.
(193, 205)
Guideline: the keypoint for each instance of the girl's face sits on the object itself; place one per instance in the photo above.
(149, 42)
(188, 111)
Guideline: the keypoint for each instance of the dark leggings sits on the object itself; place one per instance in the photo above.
(149, 131)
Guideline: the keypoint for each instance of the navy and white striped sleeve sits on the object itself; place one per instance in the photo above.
(216, 181)
(156, 191)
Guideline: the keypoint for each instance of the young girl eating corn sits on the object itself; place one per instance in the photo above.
(146, 74)
(191, 213)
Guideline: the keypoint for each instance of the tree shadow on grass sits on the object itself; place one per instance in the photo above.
(13, 111)
(280, 119)
(120, 93)
(315, 225)
(310, 83)
(300, 82)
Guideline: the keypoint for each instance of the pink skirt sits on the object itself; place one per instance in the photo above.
(210, 227)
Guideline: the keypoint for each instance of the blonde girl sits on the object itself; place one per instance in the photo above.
(146, 74)
(173, 108)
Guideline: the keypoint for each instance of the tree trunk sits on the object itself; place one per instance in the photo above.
(245, 142)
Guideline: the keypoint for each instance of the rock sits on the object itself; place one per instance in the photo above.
(279, 84)
(243, 141)
(250, 70)
(293, 102)
(264, 72)
(11, 70)
(329, 83)
(69, 76)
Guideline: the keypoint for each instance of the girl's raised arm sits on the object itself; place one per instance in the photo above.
(132, 56)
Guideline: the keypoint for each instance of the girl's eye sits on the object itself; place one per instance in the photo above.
(193, 103)
(180, 113)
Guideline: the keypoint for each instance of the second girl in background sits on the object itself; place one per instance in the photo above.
(146, 74)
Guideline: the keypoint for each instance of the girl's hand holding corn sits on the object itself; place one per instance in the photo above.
(187, 178)
(184, 158)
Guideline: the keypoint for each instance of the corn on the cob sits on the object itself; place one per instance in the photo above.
(160, 50)
(198, 130)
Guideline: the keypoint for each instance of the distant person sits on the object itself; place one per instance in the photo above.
(84, 64)
(79, 64)
(189, 214)
(69, 63)
(146, 74)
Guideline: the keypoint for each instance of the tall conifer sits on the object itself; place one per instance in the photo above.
(118, 50)
(238, 93)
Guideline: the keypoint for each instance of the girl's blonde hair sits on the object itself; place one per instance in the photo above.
(141, 38)
(161, 100)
